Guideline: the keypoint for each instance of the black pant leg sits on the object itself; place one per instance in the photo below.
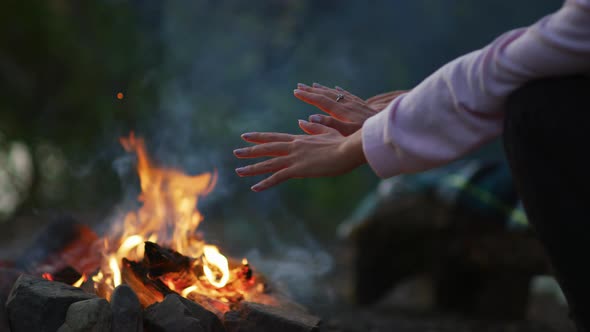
(546, 139)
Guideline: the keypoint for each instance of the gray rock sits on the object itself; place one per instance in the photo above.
(177, 314)
(255, 317)
(36, 304)
(7, 279)
(127, 312)
(92, 315)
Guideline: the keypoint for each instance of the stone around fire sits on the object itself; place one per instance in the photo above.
(127, 312)
(36, 304)
(177, 314)
(92, 315)
(255, 317)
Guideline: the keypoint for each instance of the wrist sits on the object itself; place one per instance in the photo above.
(352, 149)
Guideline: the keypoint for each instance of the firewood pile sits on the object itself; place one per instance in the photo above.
(142, 303)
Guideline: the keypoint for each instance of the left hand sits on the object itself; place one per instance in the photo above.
(347, 111)
(324, 152)
(380, 101)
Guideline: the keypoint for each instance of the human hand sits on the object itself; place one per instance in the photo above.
(347, 114)
(324, 152)
(380, 101)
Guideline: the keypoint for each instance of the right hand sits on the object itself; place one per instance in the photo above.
(323, 152)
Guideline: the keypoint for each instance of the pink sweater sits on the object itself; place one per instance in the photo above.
(460, 106)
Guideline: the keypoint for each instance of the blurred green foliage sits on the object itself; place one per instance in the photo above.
(196, 74)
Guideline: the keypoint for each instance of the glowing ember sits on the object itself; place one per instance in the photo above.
(47, 276)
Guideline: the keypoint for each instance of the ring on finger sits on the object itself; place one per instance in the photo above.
(339, 97)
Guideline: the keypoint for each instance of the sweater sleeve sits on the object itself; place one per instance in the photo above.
(460, 106)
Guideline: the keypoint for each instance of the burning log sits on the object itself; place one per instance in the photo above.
(149, 291)
(67, 275)
(164, 271)
(62, 244)
(160, 261)
(217, 307)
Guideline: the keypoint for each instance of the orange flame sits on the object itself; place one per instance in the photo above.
(168, 215)
(47, 276)
(80, 281)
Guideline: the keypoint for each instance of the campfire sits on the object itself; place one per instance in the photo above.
(157, 250)
(152, 271)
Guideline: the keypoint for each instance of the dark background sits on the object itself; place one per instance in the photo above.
(195, 75)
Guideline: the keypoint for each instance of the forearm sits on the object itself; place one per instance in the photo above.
(460, 107)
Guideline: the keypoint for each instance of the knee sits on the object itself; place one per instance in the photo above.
(548, 103)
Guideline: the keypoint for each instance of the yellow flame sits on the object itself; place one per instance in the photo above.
(116, 271)
(98, 277)
(171, 285)
(185, 292)
(80, 281)
(168, 214)
(130, 243)
(214, 258)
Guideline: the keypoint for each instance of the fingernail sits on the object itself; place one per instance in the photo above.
(296, 91)
(256, 187)
(318, 85)
(301, 85)
(315, 119)
(240, 170)
(302, 122)
(246, 135)
(339, 88)
(239, 152)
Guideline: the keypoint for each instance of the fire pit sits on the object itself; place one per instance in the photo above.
(153, 266)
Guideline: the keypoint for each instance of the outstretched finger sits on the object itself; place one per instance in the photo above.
(278, 177)
(320, 90)
(273, 149)
(314, 128)
(324, 103)
(345, 128)
(338, 94)
(348, 94)
(267, 166)
(266, 137)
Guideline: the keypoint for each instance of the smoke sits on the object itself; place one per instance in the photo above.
(229, 67)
